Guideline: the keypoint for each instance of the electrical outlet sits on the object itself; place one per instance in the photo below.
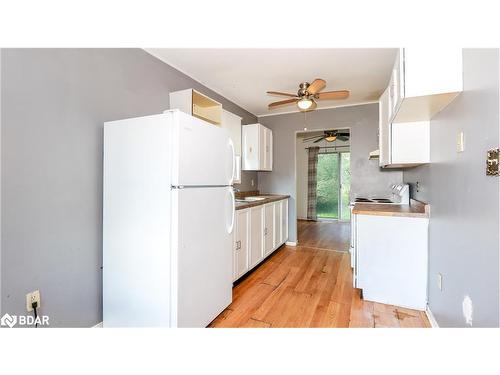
(460, 142)
(32, 297)
(440, 281)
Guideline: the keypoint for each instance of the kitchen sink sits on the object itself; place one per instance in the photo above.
(250, 199)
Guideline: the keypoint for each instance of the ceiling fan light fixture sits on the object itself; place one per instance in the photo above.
(330, 138)
(304, 103)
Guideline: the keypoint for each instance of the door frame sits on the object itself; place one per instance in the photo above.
(292, 204)
(339, 171)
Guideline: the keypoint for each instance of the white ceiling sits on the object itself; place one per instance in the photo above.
(244, 75)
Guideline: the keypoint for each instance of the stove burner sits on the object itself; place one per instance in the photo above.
(362, 200)
(373, 200)
(382, 200)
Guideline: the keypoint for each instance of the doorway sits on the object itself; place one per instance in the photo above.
(333, 185)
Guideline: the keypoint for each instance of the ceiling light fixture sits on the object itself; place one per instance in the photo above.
(331, 138)
(304, 104)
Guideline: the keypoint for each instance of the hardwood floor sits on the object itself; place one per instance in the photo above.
(330, 235)
(308, 287)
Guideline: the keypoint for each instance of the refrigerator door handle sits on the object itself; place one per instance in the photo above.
(233, 199)
(233, 155)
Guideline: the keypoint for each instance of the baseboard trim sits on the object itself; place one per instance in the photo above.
(431, 318)
(290, 243)
(98, 325)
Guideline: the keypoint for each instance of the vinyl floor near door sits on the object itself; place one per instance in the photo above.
(308, 287)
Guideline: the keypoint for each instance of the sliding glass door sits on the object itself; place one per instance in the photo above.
(333, 186)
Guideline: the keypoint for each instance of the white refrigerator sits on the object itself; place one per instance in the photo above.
(168, 217)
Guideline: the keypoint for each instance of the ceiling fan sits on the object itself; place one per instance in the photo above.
(307, 95)
(329, 136)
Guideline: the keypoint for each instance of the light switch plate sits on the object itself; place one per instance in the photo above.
(460, 142)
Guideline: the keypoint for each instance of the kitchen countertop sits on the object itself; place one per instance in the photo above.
(414, 209)
(269, 198)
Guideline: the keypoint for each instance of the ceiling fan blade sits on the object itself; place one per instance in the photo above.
(282, 102)
(342, 138)
(316, 86)
(309, 138)
(281, 93)
(332, 95)
(319, 140)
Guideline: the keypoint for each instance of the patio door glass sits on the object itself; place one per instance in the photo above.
(333, 186)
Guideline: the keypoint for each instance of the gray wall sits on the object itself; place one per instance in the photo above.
(366, 177)
(54, 103)
(464, 243)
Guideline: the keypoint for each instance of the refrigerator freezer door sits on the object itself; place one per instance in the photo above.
(201, 254)
(203, 154)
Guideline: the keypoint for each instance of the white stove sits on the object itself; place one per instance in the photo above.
(400, 194)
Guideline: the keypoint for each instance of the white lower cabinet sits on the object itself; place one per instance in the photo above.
(284, 221)
(258, 232)
(268, 228)
(391, 259)
(241, 243)
(277, 225)
(256, 235)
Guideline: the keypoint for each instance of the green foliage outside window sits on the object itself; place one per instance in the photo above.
(328, 183)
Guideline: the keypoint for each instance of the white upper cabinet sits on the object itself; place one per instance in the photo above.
(268, 151)
(196, 104)
(257, 144)
(232, 123)
(423, 82)
(411, 143)
(384, 132)
(430, 79)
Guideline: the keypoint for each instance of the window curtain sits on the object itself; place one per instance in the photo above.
(312, 182)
